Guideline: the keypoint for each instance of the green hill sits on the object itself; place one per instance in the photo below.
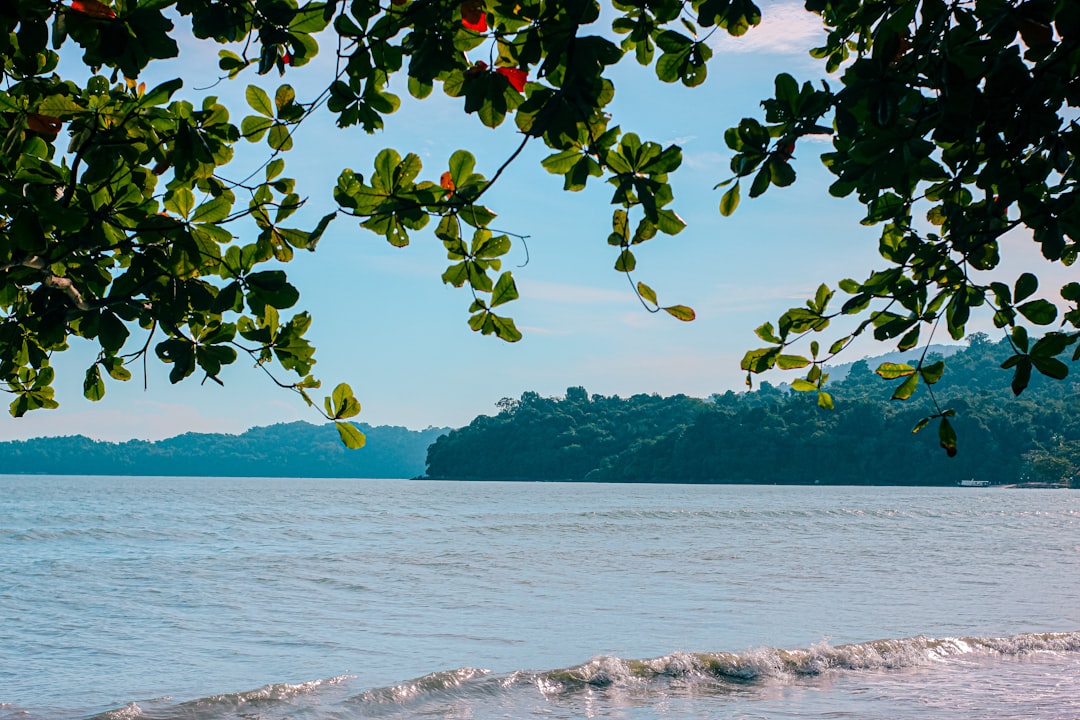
(296, 449)
(774, 435)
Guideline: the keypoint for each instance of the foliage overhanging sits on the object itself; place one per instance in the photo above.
(952, 122)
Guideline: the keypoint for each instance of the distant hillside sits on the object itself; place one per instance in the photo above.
(296, 449)
(777, 436)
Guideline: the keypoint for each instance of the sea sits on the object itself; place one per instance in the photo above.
(178, 598)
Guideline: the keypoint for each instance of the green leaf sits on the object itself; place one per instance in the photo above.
(625, 262)
(824, 400)
(1026, 285)
(759, 360)
(280, 138)
(253, 127)
(669, 222)
(274, 168)
(259, 101)
(1022, 373)
(115, 367)
(477, 215)
(910, 339)
(821, 298)
(504, 328)
(562, 162)
(213, 210)
(1039, 311)
(271, 287)
(767, 333)
(93, 385)
(1052, 344)
(781, 173)
(180, 201)
(284, 96)
(1051, 367)
(920, 425)
(761, 182)
(1020, 337)
(113, 333)
(932, 373)
(505, 290)
(418, 88)
(730, 200)
(947, 437)
(907, 388)
(161, 94)
(350, 435)
(801, 385)
(462, 163)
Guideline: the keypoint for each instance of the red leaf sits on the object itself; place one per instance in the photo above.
(93, 8)
(43, 124)
(473, 16)
(476, 69)
(447, 181)
(162, 165)
(286, 58)
(515, 76)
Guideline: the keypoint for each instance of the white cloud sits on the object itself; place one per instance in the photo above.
(680, 141)
(786, 29)
(707, 160)
(143, 420)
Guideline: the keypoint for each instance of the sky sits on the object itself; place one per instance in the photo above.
(386, 324)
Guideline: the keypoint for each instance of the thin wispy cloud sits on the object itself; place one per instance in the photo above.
(707, 160)
(573, 294)
(539, 330)
(786, 29)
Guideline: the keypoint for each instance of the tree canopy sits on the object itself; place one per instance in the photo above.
(774, 435)
(953, 123)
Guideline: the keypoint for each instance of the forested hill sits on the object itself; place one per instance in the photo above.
(296, 449)
(774, 435)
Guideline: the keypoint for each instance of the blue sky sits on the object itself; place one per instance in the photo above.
(386, 324)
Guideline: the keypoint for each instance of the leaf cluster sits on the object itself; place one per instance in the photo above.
(954, 126)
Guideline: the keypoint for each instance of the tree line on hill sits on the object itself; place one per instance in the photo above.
(775, 435)
(297, 449)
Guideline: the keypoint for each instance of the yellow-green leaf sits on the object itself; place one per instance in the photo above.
(646, 293)
(730, 200)
(259, 101)
(350, 435)
(680, 312)
(791, 362)
(891, 371)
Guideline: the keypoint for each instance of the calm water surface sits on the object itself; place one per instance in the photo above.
(273, 598)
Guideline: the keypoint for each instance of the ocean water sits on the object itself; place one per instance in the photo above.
(212, 598)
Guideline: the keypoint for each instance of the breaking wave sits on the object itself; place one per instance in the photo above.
(518, 692)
